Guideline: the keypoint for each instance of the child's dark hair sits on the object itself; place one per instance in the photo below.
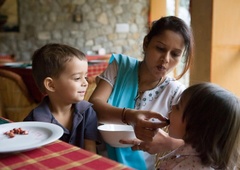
(176, 25)
(212, 116)
(50, 60)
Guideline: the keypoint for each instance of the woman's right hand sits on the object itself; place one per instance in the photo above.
(145, 123)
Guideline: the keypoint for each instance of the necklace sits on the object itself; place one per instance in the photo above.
(140, 92)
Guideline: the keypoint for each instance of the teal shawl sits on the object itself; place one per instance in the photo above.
(123, 95)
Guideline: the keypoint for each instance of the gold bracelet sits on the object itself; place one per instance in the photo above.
(124, 116)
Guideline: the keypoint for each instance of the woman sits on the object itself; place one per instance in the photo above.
(133, 92)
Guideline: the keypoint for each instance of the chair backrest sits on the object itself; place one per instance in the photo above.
(91, 87)
(15, 100)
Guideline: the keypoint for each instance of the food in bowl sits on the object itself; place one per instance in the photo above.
(112, 133)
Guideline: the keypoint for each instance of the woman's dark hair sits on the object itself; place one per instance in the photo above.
(50, 60)
(176, 25)
(212, 116)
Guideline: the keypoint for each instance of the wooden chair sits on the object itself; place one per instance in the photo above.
(91, 87)
(14, 97)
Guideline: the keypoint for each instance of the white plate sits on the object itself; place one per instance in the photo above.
(39, 134)
(13, 64)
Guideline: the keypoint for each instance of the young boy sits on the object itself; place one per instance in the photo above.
(60, 72)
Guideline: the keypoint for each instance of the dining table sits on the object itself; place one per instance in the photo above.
(96, 65)
(57, 155)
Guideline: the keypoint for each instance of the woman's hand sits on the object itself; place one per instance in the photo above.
(161, 142)
(145, 123)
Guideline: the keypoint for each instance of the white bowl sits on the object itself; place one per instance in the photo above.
(112, 133)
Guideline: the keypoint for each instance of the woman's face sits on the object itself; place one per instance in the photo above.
(163, 52)
(177, 127)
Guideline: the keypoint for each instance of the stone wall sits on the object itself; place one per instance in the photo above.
(115, 25)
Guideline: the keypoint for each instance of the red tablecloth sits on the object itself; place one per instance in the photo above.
(58, 155)
(96, 69)
(26, 74)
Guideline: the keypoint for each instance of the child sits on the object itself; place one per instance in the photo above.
(60, 71)
(207, 118)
